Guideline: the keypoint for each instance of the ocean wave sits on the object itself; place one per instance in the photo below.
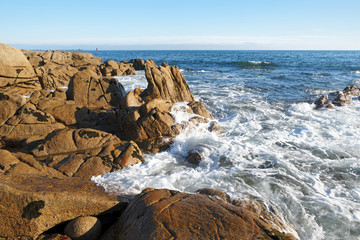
(254, 64)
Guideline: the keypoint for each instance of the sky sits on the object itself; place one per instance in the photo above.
(181, 25)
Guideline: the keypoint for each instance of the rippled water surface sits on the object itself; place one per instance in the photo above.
(275, 144)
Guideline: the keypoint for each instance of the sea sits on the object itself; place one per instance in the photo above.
(274, 145)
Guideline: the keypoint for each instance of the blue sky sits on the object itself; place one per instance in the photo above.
(196, 24)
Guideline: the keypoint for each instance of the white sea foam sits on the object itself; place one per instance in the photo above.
(304, 160)
(130, 82)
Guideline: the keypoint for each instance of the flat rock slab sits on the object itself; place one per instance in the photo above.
(31, 204)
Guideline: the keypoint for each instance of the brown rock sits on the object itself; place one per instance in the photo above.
(166, 83)
(342, 100)
(93, 166)
(130, 155)
(7, 160)
(31, 204)
(14, 65)
(9, 104)
(194, 157)
(83, 228)
(85, 59)
(215, 193)
(320, 102)
(166, 214)
(352, 90)
(138, 63)
(161, 105)
(131, 100)
(66, 113)
(16, 73)
(200, 109)
(60, 93)
(153, 125)
(27, 123)
(69, 140)
(87, 89)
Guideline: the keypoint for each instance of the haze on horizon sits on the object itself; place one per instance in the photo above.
(192, 25)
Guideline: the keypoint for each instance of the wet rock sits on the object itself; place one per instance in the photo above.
(352, 90)
(215, 193)
(215, 127)
(31, 204)
(194, 157)
(83, 228)
(320, 102)
(339, 98)
(199, 109)
(164, 214)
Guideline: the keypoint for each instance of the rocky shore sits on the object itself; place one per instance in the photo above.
(64, 118)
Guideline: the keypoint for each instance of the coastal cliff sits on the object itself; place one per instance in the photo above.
(64, 118)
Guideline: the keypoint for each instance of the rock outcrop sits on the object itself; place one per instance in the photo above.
(75, 122)
(112, 68)
(138, 63)
(16, 74)
(167, 83)
(31, 204)
(339, 98)
(86, 88)
(166, 214)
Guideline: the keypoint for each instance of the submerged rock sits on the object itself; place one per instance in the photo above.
(339, 98)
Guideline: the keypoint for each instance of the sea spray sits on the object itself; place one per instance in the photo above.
(274, 145)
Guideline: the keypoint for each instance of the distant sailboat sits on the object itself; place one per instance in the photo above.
(97, 49)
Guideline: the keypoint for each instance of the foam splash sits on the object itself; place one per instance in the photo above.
(304, 160)
(130, 82)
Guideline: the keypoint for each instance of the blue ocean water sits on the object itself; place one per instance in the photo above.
(275, 145)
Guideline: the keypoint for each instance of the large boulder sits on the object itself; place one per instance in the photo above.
(167, 83)
(88, 89)
(31, 204)
(14, 65)
(166, 214)
(16, 73)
